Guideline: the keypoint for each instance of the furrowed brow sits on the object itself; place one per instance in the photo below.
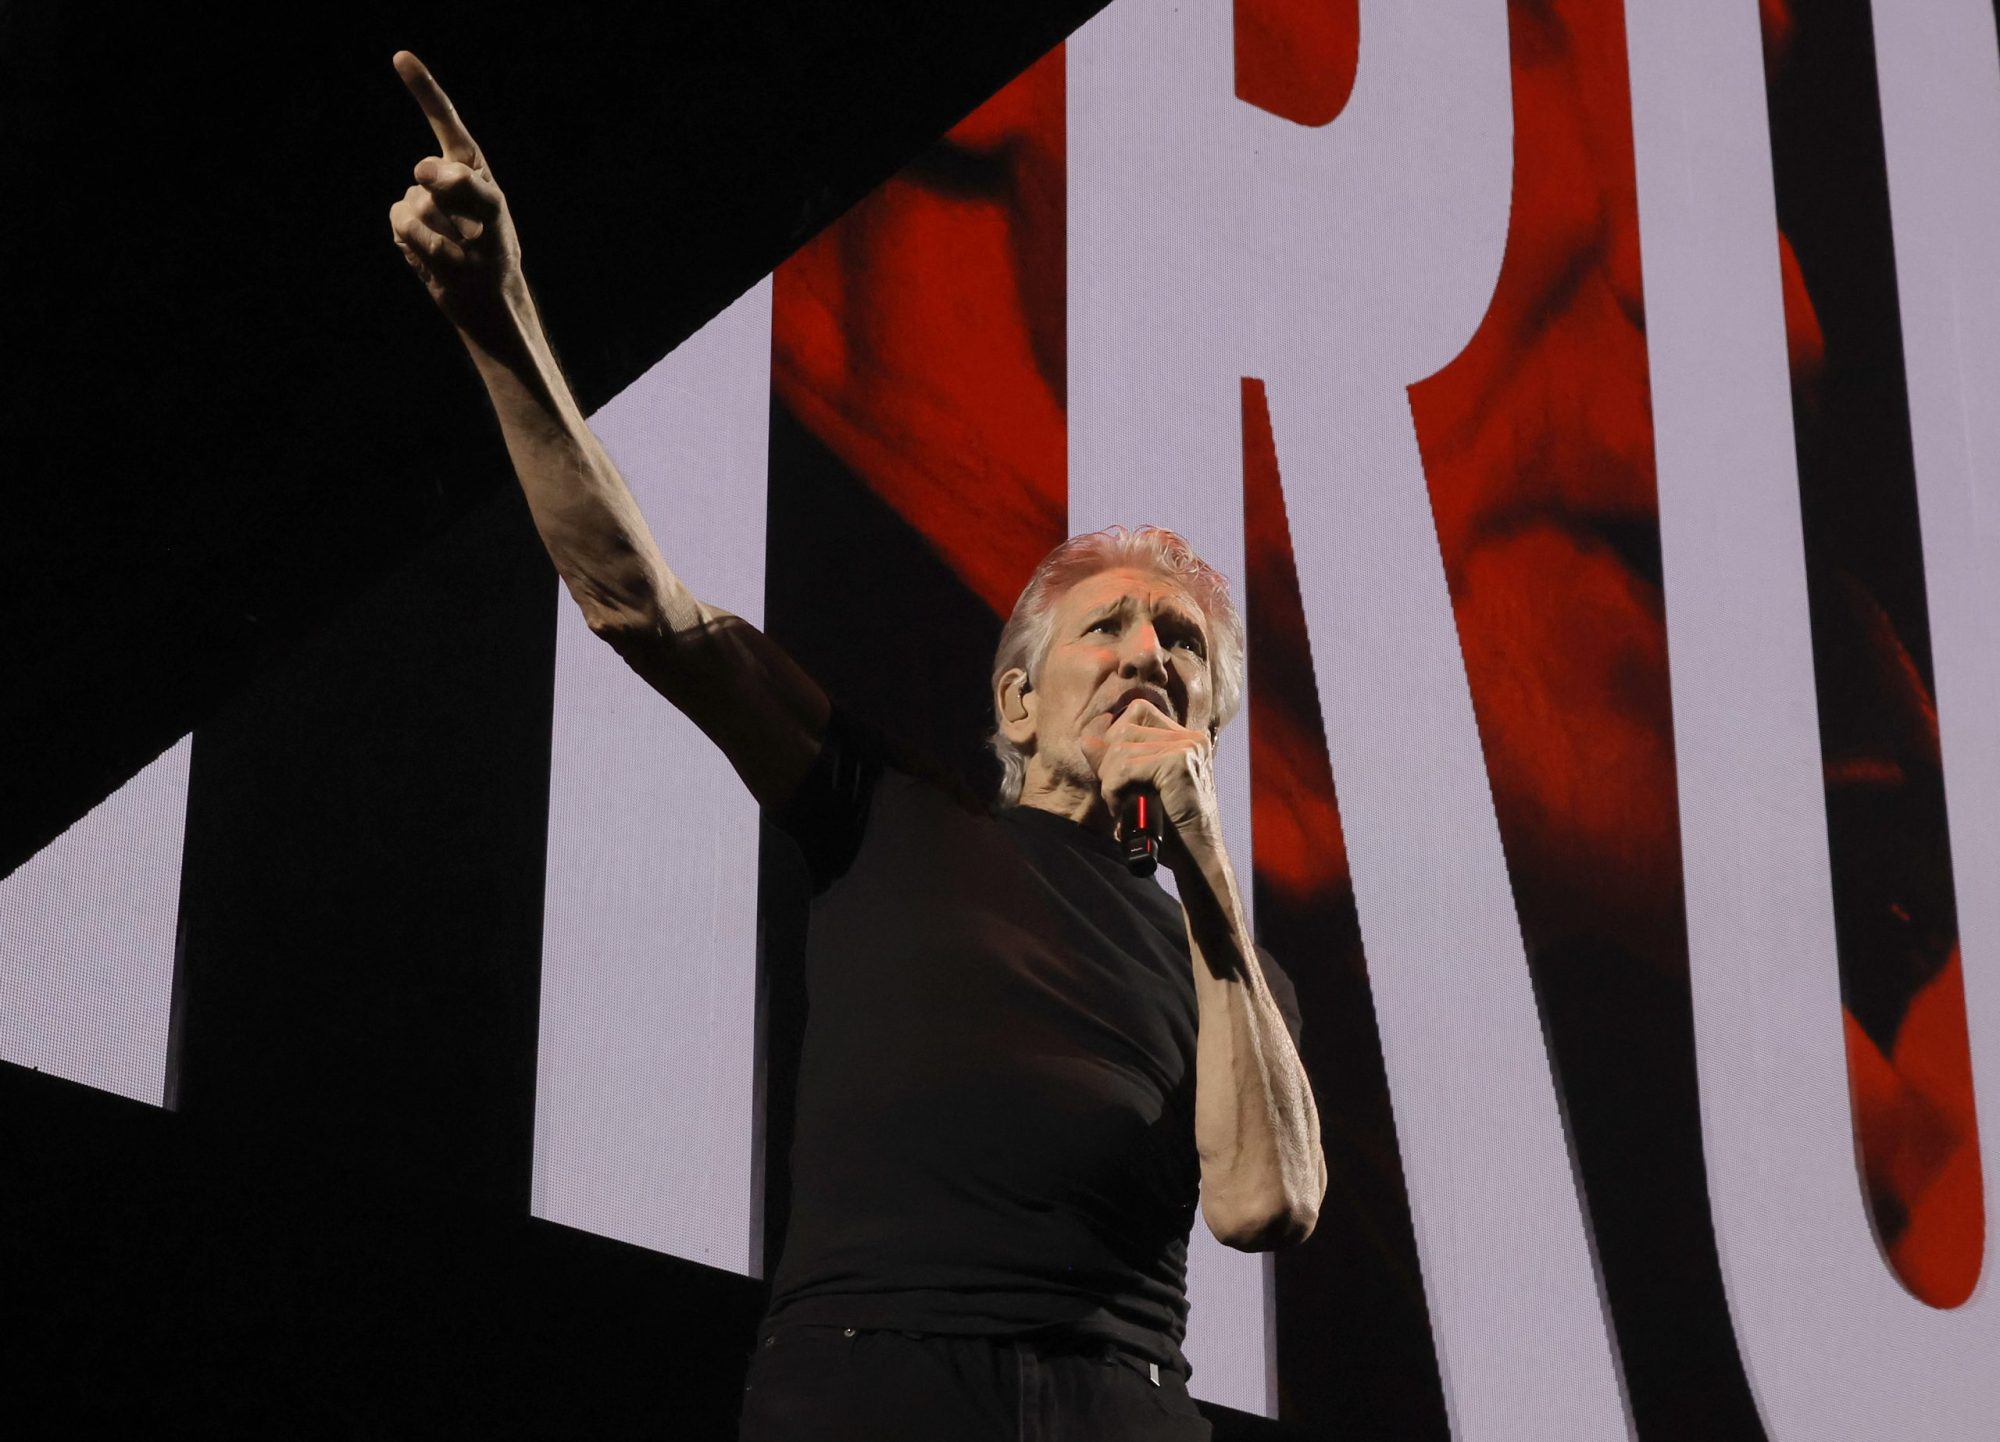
(1183, 616)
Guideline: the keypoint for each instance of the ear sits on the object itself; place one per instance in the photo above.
(1015, 700)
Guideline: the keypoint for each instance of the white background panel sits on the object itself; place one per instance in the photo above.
(1834, 1347)
(645, 1128)
(87, 930)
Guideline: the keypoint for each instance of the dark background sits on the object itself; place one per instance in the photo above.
(255, 492)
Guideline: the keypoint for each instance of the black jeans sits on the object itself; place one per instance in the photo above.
(843, 1384)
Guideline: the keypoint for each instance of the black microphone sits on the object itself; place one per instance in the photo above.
(1139, 826)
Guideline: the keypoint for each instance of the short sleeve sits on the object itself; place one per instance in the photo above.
(1284, 993)
(827, 816)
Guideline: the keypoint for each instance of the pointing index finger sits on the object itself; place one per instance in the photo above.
(452, 137)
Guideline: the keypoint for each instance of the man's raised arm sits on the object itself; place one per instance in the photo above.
(734, 682)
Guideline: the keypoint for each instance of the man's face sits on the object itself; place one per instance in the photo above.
(1117, 635)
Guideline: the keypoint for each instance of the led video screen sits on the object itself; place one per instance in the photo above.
(1593, 408)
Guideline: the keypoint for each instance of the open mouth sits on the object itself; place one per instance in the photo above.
(1143, 693)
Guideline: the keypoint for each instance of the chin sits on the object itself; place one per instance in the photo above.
(1074, 766)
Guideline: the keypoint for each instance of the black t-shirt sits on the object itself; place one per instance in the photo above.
(995, 1125)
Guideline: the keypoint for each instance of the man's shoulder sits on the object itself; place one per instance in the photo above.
(903, 763)
(865, 776)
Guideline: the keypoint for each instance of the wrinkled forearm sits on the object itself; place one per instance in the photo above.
(1257, 1131)
(582, 508)
(724, 674)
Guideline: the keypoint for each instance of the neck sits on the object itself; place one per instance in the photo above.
(1070, 799)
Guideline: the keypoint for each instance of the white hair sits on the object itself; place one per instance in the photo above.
(1025, 640)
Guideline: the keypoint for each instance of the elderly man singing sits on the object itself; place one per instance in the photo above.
(1024, 1061)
